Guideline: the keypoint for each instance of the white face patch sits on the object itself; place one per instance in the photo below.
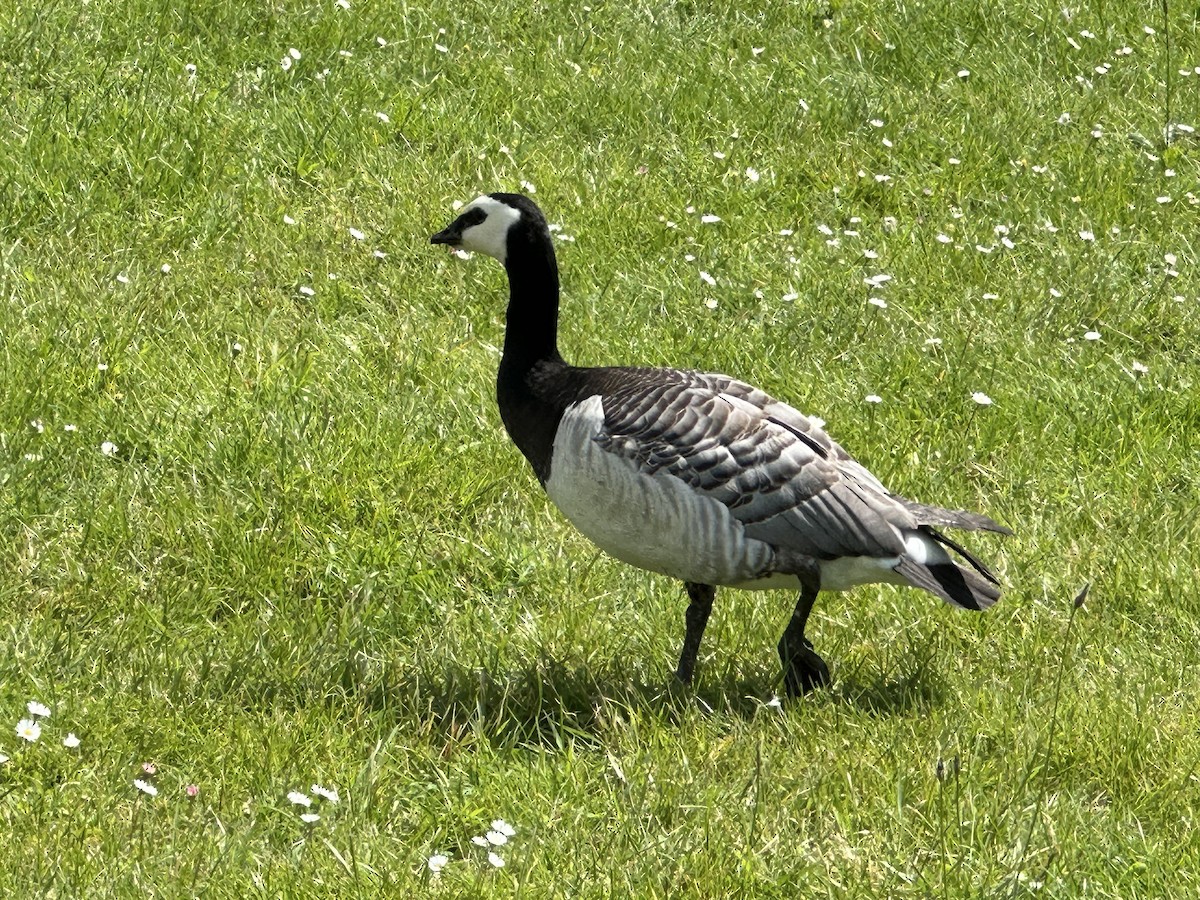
(491, 235)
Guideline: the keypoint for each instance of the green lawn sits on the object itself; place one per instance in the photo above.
(260, 525)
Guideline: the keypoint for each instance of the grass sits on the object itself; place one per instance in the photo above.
(313, 556)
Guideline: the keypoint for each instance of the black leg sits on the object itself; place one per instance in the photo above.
(803, 670)
(701, 596)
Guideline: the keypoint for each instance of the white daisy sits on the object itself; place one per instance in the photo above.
(329, 794)
(145, 787)
(309, 818)
(71, 741)
(503, 827)
(299, 799)
(437, 862)
(38, 710)
(29, 730)
(496, 860)
(981, 398)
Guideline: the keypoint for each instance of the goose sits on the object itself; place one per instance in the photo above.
(699, 476)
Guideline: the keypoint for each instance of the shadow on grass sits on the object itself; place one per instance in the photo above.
(553, 703)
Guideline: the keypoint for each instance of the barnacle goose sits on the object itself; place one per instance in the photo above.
(699, 476)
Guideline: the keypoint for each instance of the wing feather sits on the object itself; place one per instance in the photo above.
(779, 474)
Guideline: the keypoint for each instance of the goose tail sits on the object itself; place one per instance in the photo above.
(927, 565)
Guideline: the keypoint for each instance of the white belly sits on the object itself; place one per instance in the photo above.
(654, 522)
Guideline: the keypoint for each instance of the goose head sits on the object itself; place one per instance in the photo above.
(491, 223)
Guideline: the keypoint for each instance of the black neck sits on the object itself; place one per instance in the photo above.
(530, 403)
(531, 329)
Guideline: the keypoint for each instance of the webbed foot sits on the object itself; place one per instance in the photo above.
(803, 669)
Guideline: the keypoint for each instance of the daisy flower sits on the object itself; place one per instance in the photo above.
(329, 794)
(38, 710)
(145, 787)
